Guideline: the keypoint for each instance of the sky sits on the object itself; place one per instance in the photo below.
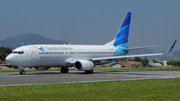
(153, 22)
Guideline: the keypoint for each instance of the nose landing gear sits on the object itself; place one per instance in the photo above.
(22, 72)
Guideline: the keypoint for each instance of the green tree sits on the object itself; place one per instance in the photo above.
(173, 62)
(145, 61)
(154, 61)
(2, 53)
(137, 59)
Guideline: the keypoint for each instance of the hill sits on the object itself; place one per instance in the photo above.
(29, 38)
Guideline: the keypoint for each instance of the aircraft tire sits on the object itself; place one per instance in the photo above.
(22, 72)
(89, 72)
(62, 69)
(66, 70)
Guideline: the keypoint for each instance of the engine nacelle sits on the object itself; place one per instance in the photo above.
(83, 65)
(41, 68)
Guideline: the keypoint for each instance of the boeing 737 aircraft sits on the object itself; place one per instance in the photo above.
(81, 57)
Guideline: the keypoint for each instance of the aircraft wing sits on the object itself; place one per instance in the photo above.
(72, 61)
(126, 56)
(132, 56)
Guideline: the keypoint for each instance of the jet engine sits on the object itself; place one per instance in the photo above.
(83, 65)
(41, 68)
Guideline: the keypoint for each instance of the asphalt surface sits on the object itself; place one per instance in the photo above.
(51, 77)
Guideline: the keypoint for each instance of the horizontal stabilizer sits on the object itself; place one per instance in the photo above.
(135, 48)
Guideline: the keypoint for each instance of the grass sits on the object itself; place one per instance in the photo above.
(101, 68)
(147, 90)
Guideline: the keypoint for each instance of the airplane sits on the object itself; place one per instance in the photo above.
(81, 57)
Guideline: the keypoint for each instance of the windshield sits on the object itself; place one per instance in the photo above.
(17, 52)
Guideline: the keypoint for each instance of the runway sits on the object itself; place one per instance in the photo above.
(52, 77)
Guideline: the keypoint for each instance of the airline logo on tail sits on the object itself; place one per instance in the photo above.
(122, 36)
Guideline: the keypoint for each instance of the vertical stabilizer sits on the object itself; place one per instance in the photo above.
(23, 43)
(122, 35)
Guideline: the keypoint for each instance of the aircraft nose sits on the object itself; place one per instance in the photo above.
(9, 59)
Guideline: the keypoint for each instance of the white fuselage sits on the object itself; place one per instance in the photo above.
(56, 55)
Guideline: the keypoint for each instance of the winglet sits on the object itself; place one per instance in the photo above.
(23, 43)
(171, 47)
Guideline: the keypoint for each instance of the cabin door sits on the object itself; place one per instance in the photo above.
(33, 53)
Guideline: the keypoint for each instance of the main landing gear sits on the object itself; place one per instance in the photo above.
(22, 72)
(89, 72)
(64, 70)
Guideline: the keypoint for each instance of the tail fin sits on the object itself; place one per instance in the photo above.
(23, 43)
(122, 35)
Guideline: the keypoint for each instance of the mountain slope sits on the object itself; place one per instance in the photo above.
(17, 41)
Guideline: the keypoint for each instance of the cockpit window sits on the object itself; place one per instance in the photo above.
(14, 52)
(18, 52)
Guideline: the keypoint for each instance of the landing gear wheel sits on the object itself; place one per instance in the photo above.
(89, 72)
(64, 70)
(22, 72)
